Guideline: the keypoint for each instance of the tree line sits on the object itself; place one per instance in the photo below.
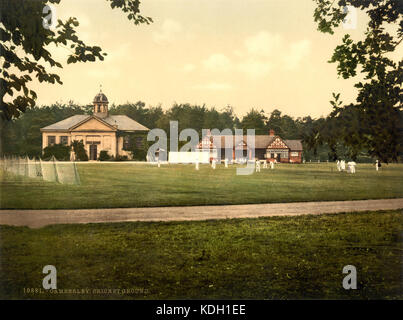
(22, 136)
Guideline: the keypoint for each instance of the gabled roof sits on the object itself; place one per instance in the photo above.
(294, 145)
(121, 122)
(277, 143)
(113, 128)
(262, 141)
(66, 124)
(125, 123)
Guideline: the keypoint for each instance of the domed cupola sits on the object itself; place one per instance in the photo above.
(100, 105)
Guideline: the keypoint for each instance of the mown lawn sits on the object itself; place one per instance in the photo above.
(137, 185)
(266, 258)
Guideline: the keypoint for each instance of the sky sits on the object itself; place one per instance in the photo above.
(262, 54)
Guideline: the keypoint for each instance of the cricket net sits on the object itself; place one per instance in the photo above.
(52, 170)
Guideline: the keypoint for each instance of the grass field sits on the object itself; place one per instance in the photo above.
(267, 258)
(137, 185)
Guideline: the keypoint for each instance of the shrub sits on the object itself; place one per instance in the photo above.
(79, 151)
(121, 158)
(104, 156)
(60, 151)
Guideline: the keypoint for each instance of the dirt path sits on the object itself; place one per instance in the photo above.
(40, 218)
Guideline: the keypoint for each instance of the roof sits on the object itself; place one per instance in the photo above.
(263, 141)
(122, 122)
(125, 123)
(100, 97)
(67, 123)
(294, 145)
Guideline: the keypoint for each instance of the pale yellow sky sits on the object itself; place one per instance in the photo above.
(264, 54)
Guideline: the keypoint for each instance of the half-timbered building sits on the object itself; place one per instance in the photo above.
(271, 148)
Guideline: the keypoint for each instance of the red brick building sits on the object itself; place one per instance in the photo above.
(269, 147)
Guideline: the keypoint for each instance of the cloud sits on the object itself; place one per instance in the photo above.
(264, 44)
(170, 30)
(119, 53)
(216, 86)
(99, 73)
(83, 19)
(217, 62)
(296, 53)
(264, 52)
(189, 67)
(255, 68)
(261, 54)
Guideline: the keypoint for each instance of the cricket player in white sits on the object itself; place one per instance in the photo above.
(257, 165)
(343, 165)
(351, 166)
(213, 163)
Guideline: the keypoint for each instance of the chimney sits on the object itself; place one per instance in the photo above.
(271, 133)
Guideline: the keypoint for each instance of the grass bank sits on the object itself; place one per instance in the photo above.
(266, 258)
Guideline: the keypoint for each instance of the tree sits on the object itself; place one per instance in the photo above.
(137, 145)
(138, 111)
(373, 122)
(22, 136)
(25, 38)
(274, 122)
(79, 151)
(255, 120)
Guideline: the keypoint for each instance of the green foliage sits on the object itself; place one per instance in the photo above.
(198, 118)
(147, 116)
(60, 151)
(255, 120)
(79, 151)
(22, 136)
(121, 158)
(104, 156)
(285, 126)
(137, 145)
(24, 44)
(374, 122)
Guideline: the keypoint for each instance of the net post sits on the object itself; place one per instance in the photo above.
(77, 176)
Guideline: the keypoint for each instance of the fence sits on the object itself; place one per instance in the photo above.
(52, 170)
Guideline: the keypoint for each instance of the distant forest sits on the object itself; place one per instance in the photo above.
(22, 136)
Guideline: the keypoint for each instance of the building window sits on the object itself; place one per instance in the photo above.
(51, 140)
(64, 139)
(294, 154)
(126, 142)
(284, 154)
(139, 142)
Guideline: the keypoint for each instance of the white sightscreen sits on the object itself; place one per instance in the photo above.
(189, 157)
